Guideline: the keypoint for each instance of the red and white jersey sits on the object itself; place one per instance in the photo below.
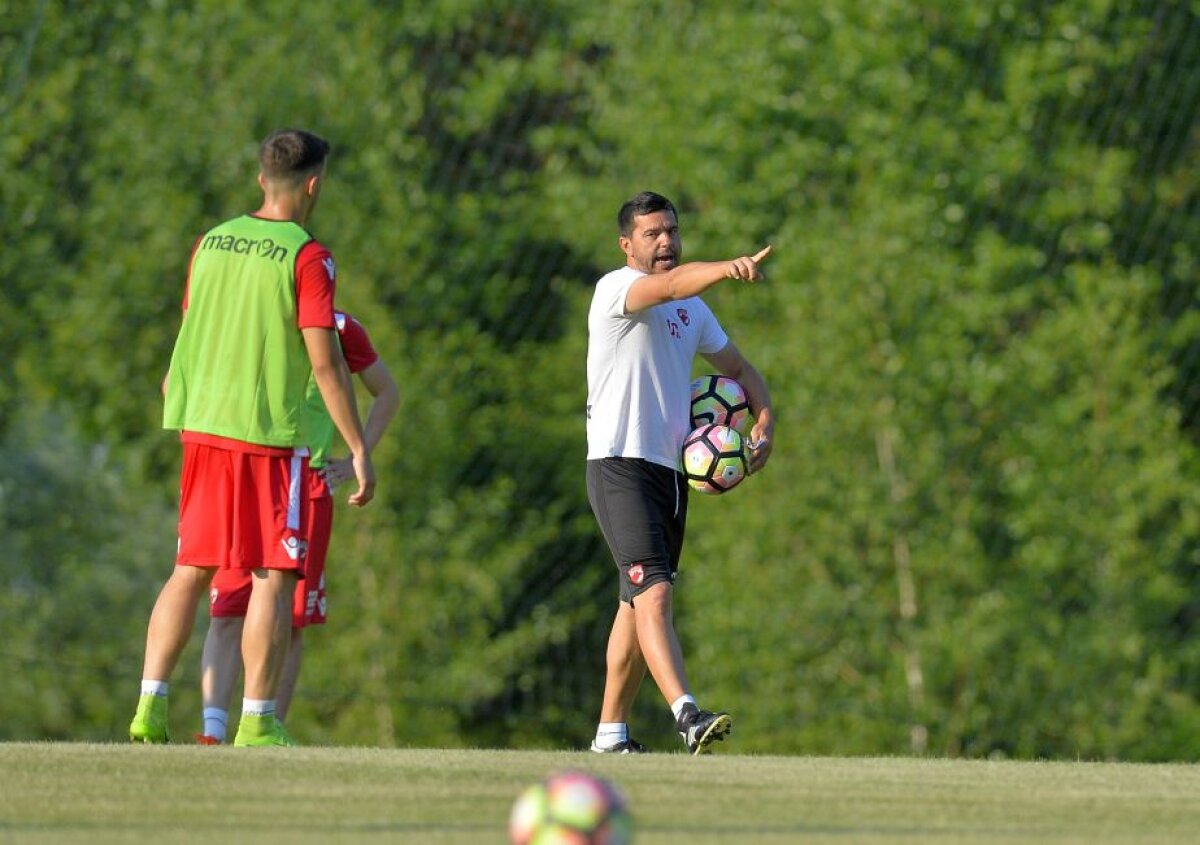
(356, 343)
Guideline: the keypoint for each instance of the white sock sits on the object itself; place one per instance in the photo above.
(158, 688)
(258, 707)
(216, 722)
(609, 734)
(678, 704)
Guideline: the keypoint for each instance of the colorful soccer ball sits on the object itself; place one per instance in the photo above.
(719, 400)
(570, 808)
(714, 459)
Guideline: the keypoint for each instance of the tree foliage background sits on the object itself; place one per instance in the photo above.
(980, 530)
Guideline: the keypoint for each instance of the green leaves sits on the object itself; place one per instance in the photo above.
(978, 531)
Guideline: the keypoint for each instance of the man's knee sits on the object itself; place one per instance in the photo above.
(194, 578)
(276, 585)
(654, 599)
(275, 578)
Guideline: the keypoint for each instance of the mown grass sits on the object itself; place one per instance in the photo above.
(93, 793)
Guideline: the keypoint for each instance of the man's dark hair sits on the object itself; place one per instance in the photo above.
(291, 154)
(647, 202)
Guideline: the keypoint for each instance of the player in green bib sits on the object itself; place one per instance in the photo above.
(258, 323)
(219, 383)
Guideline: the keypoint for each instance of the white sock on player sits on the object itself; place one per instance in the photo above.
(150, 687)
(258, 707)
(678, 704)
(609, 734)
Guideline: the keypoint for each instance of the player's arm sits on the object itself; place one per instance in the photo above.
(337, 391)
(315, 288)
(385, 401)
(731, 362)
(691, 279)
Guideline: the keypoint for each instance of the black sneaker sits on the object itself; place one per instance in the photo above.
(629, 746)
(699, 729)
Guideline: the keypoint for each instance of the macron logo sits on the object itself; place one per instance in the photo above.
(329, 268)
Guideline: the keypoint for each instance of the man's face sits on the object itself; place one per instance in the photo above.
(654, 245)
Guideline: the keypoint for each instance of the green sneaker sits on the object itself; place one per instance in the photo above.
(261, 730)
(149, 723)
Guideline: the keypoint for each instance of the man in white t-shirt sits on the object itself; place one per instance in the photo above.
(645, 327)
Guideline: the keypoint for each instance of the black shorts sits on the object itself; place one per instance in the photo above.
(642, 509)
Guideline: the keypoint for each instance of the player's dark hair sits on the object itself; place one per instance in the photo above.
(647, 202)
(291, 154)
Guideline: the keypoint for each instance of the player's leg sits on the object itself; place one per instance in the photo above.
(220, 666)
(265, 639)
(172, 619)
(698, 729)
(167, 634)
(626, 667)
(221, 660)
(664, 658)
(272, 513)
(268, 631)
(655, 630)
(309, 602)
(656, 633)
(203, 529)
(290, 676)
(625, 670)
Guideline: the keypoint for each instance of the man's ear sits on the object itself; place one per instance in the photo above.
(311, 184)
(262, 181)
(626, 244)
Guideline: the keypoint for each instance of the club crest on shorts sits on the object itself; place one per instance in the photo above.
(295, 547)
(637, 574)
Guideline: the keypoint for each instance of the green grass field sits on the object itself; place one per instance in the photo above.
(53, 792)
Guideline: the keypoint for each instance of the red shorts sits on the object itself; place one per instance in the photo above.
(239, 510)
(230, 591)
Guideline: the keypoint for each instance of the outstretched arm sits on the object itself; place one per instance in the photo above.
(692, 279)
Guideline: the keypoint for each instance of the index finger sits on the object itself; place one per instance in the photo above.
(762, 253)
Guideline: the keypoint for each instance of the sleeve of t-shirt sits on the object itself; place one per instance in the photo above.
(712, 336)
(315, 284)
(615, 289)
(356, 344)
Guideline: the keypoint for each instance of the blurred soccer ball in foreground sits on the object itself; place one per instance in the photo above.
(719, 400)
(570, 808)
(714, 459)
